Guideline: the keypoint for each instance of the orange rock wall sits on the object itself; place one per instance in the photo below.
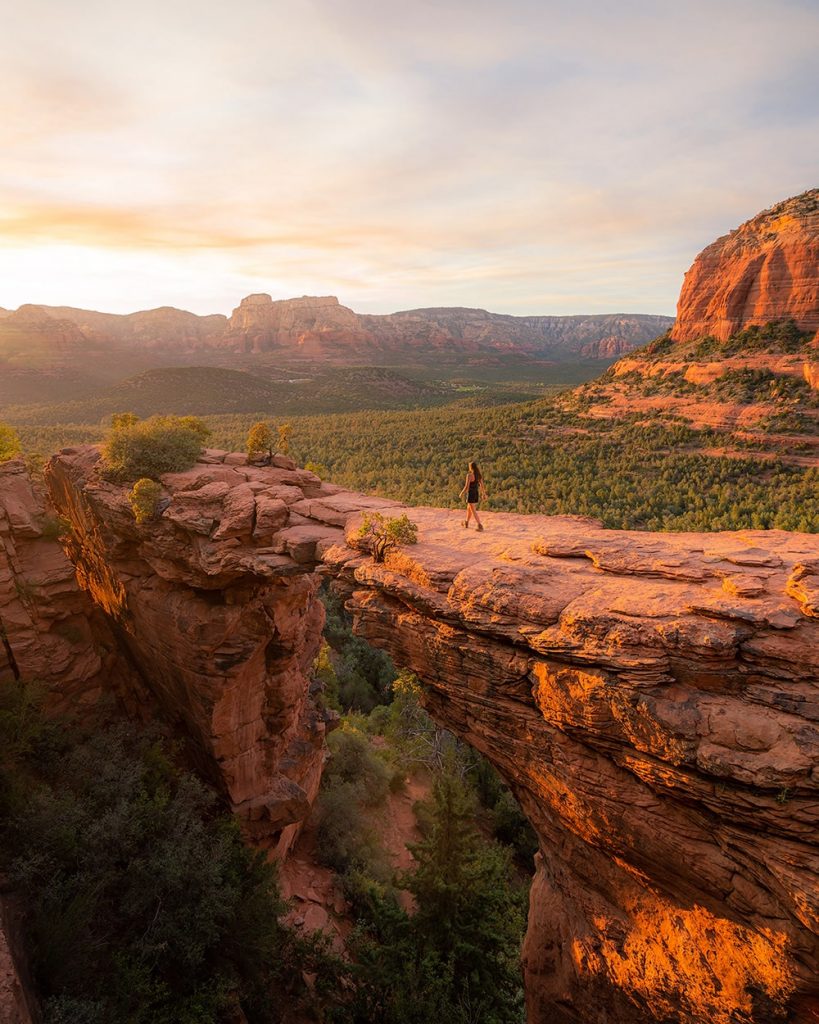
(51, 634)
(765, 270)
(224, 643)
(652, 701)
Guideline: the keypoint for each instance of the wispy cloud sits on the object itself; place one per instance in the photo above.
(527, 157)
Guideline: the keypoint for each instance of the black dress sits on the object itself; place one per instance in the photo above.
(473, 494)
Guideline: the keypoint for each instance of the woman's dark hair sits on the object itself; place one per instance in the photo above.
(473, 466)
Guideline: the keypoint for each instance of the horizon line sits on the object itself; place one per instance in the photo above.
(395, 312)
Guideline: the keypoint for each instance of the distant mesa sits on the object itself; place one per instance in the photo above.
(767, 269)
(320, 327)
(308, 325)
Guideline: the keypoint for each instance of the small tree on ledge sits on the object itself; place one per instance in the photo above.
(144, 498)
(382, 533)
(259, 441)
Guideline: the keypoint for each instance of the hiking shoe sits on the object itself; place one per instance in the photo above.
(480, 528)
(465, 523)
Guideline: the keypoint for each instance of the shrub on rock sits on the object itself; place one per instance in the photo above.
(148, 448)
(144, 498)
(380, 533)
(9, 443)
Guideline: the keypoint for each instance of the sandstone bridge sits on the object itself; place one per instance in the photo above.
(652, 700)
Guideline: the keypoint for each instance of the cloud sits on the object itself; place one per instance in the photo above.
(523, 157)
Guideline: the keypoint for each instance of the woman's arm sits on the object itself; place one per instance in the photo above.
(465, 487)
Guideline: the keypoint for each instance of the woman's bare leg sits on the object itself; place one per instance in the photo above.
(477, 517)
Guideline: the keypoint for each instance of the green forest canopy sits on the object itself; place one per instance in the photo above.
(657, 475)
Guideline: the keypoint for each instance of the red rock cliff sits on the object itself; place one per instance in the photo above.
(652, 700)
(216, 607)
(764, 270)
(50, 632)
(320, 327)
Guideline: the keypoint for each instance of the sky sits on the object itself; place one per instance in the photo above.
(524, 156)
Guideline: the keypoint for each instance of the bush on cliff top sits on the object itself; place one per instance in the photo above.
(148, 448)
(9, 443)
(382, 533)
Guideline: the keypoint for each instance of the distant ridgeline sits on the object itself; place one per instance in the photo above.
(317, 327)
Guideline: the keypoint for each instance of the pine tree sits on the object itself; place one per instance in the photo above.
(469, 917)
(285, 430)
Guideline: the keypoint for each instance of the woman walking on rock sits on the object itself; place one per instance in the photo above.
(475, 490)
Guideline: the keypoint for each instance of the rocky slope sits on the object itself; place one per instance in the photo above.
(474, 331)
(652, 699)
(764, 401)
(162, 328)
(767, 269)
(743, 355)
(313, 327)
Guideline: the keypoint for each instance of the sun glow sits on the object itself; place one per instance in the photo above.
(537, 160)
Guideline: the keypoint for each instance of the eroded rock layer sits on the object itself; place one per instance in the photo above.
(51, 634)
(653, 700)
(764, 270)
(223, 628)
(313, 327)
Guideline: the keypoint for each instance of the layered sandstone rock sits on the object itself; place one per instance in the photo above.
(653, 702)
(610, 347)
(767, 269)
(32, 332)
(51, 634)
(309, 325)
(652, 699)
(16, 1000)
(472, 331)
(215, 607)
(320, 327)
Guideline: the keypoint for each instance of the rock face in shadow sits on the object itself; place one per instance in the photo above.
(16, 998)
(51, 633)
(222, 626)
(764, 270)
(652, 699)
